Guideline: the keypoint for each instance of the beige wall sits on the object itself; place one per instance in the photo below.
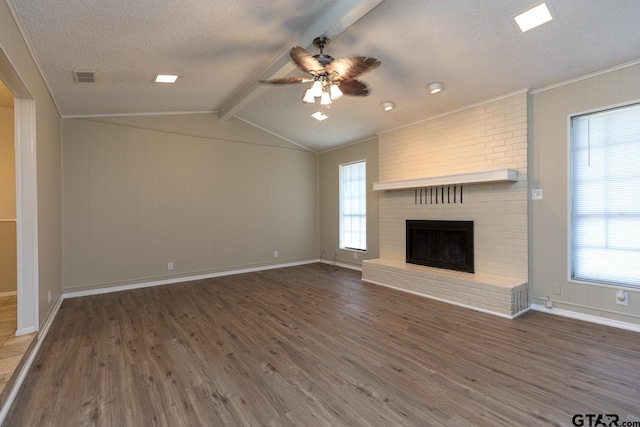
(486, 137)
(8, 271)
(7, 166)
(142, 192)
(6, 97)
(48, 163)
(549, 171)
(329, 201)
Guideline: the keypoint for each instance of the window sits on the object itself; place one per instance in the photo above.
(605, 196)
(353, 206)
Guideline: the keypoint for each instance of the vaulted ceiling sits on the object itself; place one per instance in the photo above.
(220, 49)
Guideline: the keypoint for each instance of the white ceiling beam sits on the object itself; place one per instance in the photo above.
(340, 17)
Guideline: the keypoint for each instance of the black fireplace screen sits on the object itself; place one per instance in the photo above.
(443, 244)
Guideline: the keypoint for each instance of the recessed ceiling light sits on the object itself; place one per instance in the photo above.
(388, 105)
(435, 87)
(319, 116)
(165, 78)
(533, 17)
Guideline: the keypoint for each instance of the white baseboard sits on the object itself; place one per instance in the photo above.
(342, 264)
(481, 310)
(27, 365)
(26, 331)
(53, 313)
(8, 294)
(587, 317)
(173, 280)
(349, 266)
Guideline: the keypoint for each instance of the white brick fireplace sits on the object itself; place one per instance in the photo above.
(487, 137)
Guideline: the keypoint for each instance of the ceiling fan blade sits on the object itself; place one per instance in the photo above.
(354, 87)
(287, 80)
(349, 68)
(306, 61)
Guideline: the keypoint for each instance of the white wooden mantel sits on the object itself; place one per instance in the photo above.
(498, 175)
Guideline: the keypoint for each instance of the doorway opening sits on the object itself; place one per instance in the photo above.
(26, 213)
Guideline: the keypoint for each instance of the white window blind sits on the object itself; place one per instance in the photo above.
(353, 206)
(605, 196)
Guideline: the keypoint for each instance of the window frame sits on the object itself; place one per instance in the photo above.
(340, 207)
(570, 194)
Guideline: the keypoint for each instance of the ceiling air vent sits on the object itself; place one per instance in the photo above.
(84, 76)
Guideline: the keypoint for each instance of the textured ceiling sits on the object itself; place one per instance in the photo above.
(221, 48)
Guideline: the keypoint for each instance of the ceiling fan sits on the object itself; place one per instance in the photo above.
(331, 78)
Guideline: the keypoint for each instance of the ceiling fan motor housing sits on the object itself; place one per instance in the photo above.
(323, 59)
(321, 42)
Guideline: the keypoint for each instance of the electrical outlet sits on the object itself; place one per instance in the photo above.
(537, 194)
(355, 255)
(49, 297)
(170, 266)
(275, 254)
(622, 298)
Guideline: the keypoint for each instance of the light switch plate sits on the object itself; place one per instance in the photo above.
(536, 194)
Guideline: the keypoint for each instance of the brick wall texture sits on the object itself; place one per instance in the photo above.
(485, 137)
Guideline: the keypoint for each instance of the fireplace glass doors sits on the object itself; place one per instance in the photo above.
(442, 244)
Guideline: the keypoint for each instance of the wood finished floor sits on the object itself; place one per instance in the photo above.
(303, 347)
(12, 348)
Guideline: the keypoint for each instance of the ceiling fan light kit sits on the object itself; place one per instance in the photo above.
(335, 92)
(316, 88)
(308, 97)
(323, 89)
(325, 99)
(332, 78)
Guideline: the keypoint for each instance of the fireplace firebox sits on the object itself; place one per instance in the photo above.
(442, 244)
